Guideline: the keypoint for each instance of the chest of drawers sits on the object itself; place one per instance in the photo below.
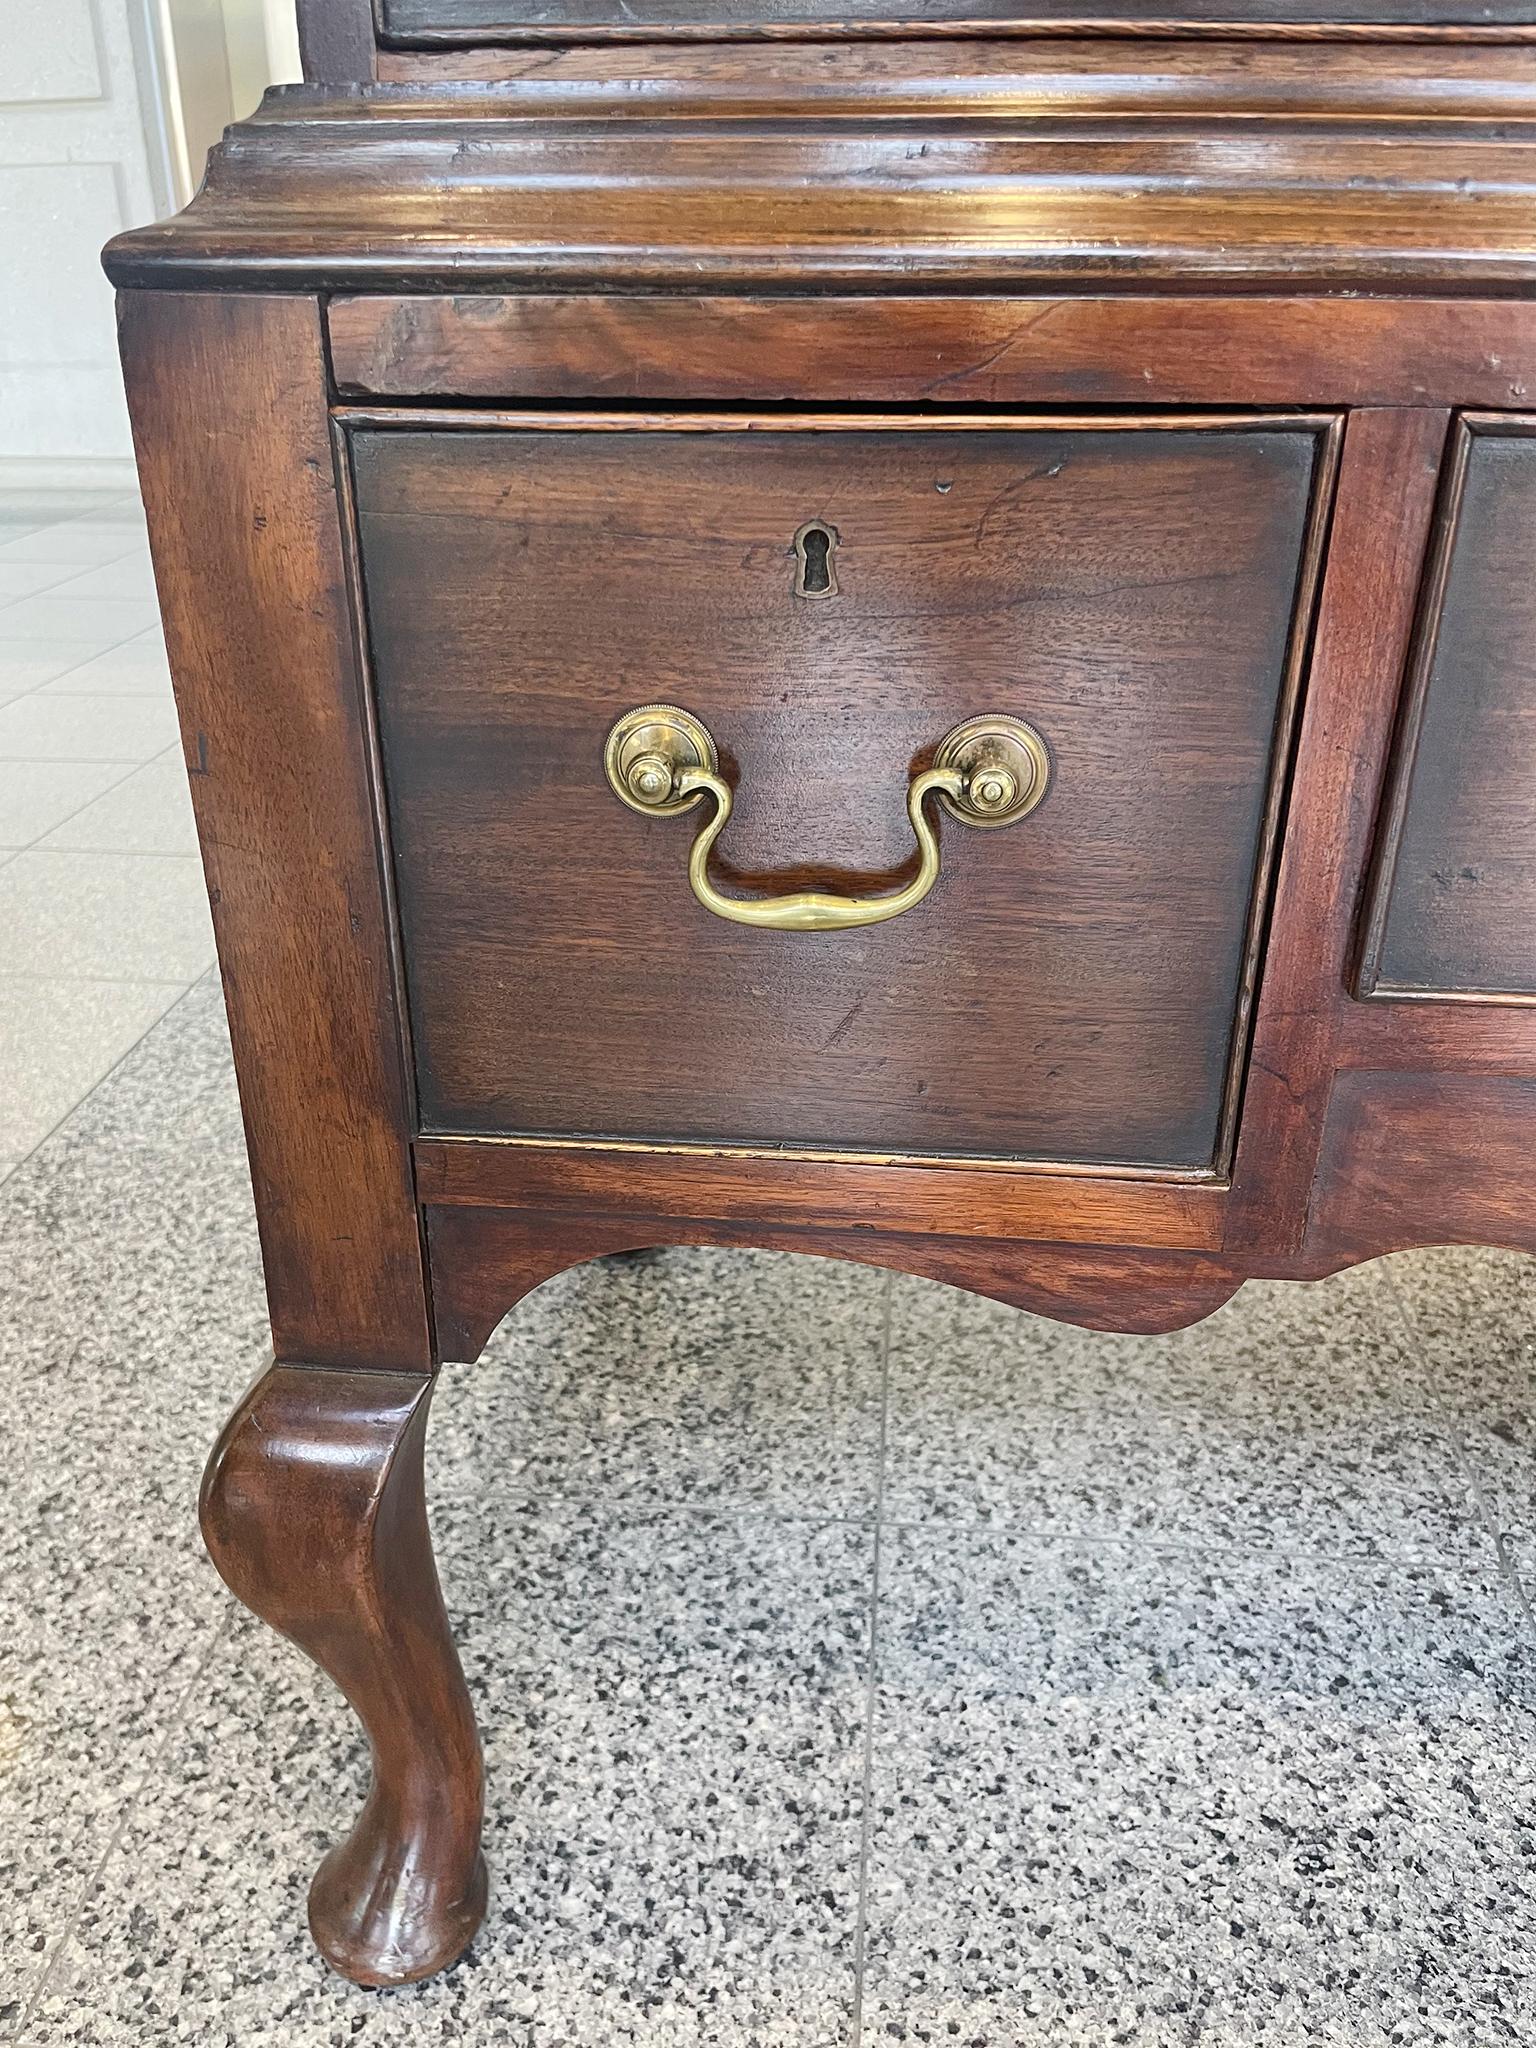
(904, 638)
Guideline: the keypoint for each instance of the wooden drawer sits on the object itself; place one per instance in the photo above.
(1074, 988)
(1453, 906)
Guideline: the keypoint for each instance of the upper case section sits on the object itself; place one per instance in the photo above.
(895, 167)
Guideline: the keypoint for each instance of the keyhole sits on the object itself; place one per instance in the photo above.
(815, 564)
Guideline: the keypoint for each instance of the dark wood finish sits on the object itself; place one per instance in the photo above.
(313, 1510)
(1070, 992)
(430, 22)
(771, 1187)
(336, 41)
(917, 174)
(434, 64)
(235, 463)
(1142, 213)
(1453, 905)
(1382, 512)
(1421, 1159)
(485, 1260)
(938, 351)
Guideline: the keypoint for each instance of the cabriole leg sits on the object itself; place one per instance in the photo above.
(314, 1512)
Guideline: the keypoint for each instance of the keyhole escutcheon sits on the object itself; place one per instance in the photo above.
(816, 560)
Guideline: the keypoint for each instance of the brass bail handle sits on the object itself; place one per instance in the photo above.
(989, 771)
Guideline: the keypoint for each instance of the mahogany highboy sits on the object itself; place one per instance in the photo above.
(1066, 487)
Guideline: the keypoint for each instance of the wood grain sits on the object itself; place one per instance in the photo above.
(431, 22)
(766, 1187)
(485, 1260)
(313, 1511)
(1425, 1159)
(336, 41)
(235, 462)
(1070, 991)
(931, 177)
(939, 351)
(1383, 509)
(1453, 909)
(451, 61)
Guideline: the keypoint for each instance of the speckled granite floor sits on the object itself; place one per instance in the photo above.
(858, 1661)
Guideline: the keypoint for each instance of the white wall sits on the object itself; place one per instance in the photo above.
(219, 58)
(107, 108)
(282, 41)
(78, 162)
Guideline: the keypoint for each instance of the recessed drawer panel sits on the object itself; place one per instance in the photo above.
(1453, 907)
(826, 601)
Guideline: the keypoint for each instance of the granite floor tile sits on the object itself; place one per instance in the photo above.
(1290, 1420)
(58, 1039)
(108, 727)
(37, 795)
(178, 1090)
(120, 917)
(150, 811)
(102, 619)
(134, 668)
(674, 1735)
(715, 1378)
(1124, 1791)
(1122, 1796)
(130, 1275)
(1470, 1313)
(130, 1316)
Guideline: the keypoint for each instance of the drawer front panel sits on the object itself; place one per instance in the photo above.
(1072, 988)
(1454, 903)
(493, 21)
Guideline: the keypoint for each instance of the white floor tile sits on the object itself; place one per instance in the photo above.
(131, 576)
(110, 508)
(44, 507)
(57, 1040)
(26, 579)
(106, 620)
(137, 668)
(117, 916)
(149, 812)
(85, 546)
(36, 796)
(86, 728)
(28, 664)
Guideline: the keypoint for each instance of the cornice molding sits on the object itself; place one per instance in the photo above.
(885, 168)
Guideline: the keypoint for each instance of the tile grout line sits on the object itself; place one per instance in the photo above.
(184, 990)
(871, 1678)
(70, 572)
(101, 980)
(36, 845)
(24, 640)
(112, 647)
(108, 852)
(217, 1636)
